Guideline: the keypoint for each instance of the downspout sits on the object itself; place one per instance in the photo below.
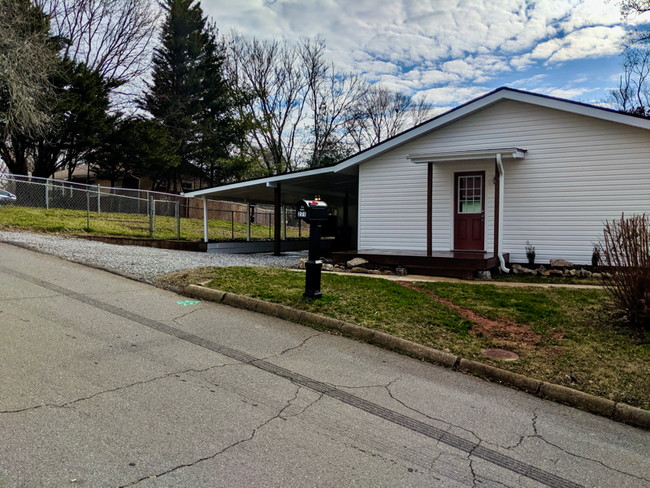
(500, 227)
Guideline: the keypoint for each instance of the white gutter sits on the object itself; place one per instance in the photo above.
(500, 229)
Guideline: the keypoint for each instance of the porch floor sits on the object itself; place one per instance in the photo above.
(457, 264)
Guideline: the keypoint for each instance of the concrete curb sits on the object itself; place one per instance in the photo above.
(568, 396)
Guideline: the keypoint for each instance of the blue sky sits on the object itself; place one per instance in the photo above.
(452, 51)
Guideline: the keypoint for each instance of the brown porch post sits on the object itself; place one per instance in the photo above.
(277, 228)
(429, 209)
(496, 209)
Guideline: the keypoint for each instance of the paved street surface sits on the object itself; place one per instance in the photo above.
(108, 382)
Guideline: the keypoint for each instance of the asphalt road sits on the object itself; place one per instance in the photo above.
(108, 382)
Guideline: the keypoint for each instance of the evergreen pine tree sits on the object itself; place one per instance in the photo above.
(192, 98)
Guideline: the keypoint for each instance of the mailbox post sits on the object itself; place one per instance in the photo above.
(313, 212)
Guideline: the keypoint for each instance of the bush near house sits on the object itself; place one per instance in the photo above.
(625, 255)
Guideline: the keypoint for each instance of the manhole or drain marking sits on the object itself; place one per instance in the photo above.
(501, 354)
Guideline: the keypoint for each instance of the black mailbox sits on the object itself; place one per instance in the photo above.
(311, 211)
(314, 212)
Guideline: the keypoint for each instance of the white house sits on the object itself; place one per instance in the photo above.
(481, 180)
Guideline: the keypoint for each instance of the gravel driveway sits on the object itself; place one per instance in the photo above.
(142, 263)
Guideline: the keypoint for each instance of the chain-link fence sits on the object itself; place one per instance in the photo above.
(55, 205)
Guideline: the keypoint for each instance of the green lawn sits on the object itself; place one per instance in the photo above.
(565, 280)
(122, 224)
(572, 328)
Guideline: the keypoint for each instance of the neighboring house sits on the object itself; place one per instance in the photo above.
(82, 175)
(485, 177)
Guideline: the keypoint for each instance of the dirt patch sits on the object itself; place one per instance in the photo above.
(503, 333)
(186, 277)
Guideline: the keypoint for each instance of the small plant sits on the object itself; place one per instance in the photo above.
(530, 253)
(595, 256)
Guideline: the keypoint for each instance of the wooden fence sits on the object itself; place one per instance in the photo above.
(227, 210)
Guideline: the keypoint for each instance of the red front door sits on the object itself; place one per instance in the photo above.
(469, 211)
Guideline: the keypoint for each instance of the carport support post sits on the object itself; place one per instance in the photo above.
(205, 219)
(277, 228)
(284, 222)
(248, 221)
(177, 211)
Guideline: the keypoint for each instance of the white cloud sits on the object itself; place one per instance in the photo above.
(453, 95)
(532, 81)
(569, 93)
(590, 42)
(423, 46)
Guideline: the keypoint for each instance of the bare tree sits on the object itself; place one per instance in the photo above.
(270, 74)
(27, 61)
(382, 114)
(633, 92)
(305, 112)
(112, 37)
(631, 8)
(331, 98)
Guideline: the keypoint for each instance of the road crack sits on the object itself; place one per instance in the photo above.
(252, 435)
(112, 390)
(390, 393)
(288, 349)
(175, 320)
(590, 459)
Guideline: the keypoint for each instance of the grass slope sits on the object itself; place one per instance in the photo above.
(575, 333)
(126, 225)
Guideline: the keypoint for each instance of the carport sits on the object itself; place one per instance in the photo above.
(338, 190)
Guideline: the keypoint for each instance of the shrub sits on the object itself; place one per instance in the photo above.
(624, 253)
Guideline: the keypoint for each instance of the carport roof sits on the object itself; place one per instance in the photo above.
(331, 186)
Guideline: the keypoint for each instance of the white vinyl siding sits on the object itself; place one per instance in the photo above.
(392, 205)
(578, 172)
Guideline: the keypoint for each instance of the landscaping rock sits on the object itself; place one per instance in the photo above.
(484, 275)
(596, 275)
(374, 271)
(555, 272)
(356, 262)
(573, 272)
(541, 270)
(401, 271)
(560, 263)
(327, 267)
(584, 273)
(517, 269)
(387, 272)
(302, 262)
(357, 269)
